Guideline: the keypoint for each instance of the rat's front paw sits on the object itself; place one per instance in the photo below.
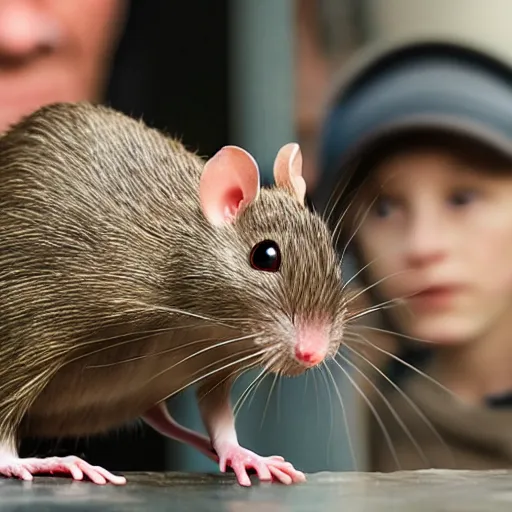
(267, 468)
(11, 466)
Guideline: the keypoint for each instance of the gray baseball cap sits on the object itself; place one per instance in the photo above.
(436, 85)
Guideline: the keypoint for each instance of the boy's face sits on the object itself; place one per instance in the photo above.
(440, 232)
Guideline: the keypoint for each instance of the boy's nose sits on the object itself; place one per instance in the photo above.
(25, 29)
(425, 243)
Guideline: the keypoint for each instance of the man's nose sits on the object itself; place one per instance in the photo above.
(25, 28)
(425, 239)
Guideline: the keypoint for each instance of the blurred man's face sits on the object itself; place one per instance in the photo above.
(54, 50)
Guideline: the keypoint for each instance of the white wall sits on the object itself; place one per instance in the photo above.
(487, 23)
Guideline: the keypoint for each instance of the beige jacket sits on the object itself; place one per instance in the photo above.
(429, 428)
(443, 431)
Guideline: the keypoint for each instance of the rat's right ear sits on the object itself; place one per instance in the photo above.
(288, 170)
(229, 183)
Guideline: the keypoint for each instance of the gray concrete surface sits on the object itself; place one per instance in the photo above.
(420, 491)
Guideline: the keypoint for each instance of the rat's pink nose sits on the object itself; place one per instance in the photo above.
(312, 343)
(308, 357)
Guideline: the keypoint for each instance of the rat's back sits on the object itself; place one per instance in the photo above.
(89, 201)
(67, 157)
(79, 181)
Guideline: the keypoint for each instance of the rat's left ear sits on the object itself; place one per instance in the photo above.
(288, 170)
(229, 183)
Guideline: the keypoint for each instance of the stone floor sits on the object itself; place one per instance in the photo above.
(432, 491)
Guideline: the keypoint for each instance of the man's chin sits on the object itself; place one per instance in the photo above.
(13, 109)
(11, 116)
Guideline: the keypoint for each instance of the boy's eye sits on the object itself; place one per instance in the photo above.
(382, 206)
(462, 197)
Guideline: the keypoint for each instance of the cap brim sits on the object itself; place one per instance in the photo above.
(479, 133)
(430, 90)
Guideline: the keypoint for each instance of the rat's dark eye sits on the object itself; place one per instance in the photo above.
(266, 256)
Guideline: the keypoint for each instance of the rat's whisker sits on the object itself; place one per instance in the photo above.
(385, 305)
(365, 312)
(393, 333)
(272, 357)
(361, 339)
(267, 366)
(372, 262)
(339, 222)
(374, 412)
(146, 356)
(353, 315)
(174, 311)
(207, 349)
(344, 413)
(279, 394)
(313, 373)
(356, 275)
(222, 359)
(335, 194)
(376, 283)
(329, 397)
(243, 396)
(306, 385)
(264, 415)
(145, 335)
(255, 389)
(143, 356)
(389, 406)
(346, 209)
(218, 370)
(237, 372)
(355, 232)
(402, 393)
(229, 376)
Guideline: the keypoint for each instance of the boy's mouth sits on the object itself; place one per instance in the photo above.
(434, 297)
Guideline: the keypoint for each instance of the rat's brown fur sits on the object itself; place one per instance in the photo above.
(107, 259)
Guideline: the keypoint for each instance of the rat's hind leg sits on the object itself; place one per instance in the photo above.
(158, 417)
(12, 466)
(19, 389)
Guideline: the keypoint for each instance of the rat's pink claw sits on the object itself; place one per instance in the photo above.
(15, 467)
(267, 468)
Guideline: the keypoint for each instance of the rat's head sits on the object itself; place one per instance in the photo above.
(276, 263)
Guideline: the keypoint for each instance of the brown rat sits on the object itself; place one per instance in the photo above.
(130, 269)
